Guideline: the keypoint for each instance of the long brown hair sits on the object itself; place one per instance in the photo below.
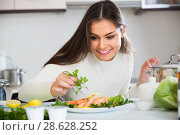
(78, 46)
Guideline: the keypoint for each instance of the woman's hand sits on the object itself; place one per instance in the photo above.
(62, 84)
(143, 78)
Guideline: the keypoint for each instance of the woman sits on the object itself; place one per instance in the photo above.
(99, 50)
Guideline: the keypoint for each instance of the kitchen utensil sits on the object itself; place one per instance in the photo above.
(15, 79)
(167, 69)
(3, 84)
(14, 76)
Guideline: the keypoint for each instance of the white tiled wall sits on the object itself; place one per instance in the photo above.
(32, 38)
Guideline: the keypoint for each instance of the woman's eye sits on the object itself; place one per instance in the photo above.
(93, 38)
(110, 37)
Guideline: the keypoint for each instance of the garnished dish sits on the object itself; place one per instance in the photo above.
(94, 103)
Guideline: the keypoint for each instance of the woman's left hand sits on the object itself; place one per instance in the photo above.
(143, 78)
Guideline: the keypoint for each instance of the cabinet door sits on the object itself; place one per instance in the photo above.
(39, 4)
(6, 4)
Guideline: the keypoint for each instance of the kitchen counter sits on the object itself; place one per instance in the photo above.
(125, 112)
(130, 112)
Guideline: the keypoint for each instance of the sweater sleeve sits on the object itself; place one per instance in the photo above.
(127, 91)
(39, 86)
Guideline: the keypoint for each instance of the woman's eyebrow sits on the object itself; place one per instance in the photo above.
(105, 35)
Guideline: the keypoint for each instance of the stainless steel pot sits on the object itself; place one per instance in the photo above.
(167, 69)
(14, 76)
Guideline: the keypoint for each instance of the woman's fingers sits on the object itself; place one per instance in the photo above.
(154, 61)
(146, 67)
(59, 91)
(64, 81)
(68, 81)
(157, 62)
(72, 78)
(63, 84)
(151, 62)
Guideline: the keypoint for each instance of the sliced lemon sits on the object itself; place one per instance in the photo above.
(13, 103)
(34, 103)
(24, 106)
(85, 107)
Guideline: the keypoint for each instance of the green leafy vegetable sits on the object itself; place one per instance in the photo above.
(80, 80)
(166, 93)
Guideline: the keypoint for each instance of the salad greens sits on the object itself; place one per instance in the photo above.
(80, 80)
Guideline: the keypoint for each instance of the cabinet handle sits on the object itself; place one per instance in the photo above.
(39, 0)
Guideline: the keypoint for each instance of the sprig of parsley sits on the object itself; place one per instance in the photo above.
(80, 80)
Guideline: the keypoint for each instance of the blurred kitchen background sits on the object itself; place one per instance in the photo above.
(30, 38)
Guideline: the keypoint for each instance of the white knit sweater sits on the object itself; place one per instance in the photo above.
(107, 78)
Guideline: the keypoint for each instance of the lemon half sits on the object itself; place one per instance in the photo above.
(13, 103)
(34, 103)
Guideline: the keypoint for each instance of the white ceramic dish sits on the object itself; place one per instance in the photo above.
(97, 110)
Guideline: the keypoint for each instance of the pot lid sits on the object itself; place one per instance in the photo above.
(169, 64)
(173, 65)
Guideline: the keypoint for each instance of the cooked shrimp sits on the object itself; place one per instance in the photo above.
(90, 101)
(100, 100)
(81, 105)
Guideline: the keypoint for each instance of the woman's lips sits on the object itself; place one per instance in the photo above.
(104, 52)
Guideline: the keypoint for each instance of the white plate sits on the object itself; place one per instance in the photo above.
(97, 110)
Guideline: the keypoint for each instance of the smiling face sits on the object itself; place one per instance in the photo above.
(105, 39)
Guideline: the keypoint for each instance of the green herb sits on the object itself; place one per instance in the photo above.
(46, 115)
(80, 80)
(59, 103)
(15, 114)
(63, 103)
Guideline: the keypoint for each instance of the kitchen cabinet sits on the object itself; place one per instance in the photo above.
(6, 4)
(120, 3)
(14, 6)
(39, 4)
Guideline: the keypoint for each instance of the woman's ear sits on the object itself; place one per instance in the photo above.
(122, 32)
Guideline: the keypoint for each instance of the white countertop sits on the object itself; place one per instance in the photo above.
(130, 112)
(127, 112)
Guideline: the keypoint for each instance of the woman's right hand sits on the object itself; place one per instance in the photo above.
(62, 84)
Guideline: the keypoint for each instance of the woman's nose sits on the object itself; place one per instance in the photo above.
(101, 44)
